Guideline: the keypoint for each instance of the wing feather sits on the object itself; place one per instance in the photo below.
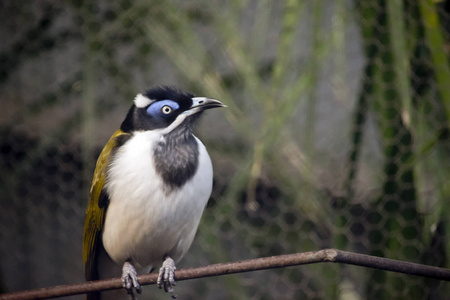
(95, 213)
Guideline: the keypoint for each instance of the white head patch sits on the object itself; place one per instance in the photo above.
(142, 101)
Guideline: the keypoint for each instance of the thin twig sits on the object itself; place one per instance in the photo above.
(326, 255)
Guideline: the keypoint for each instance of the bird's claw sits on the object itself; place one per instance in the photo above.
(166, 276)
(129, 279)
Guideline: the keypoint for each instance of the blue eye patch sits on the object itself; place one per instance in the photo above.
(155, 109)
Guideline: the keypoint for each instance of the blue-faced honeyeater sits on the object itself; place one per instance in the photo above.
(151, 183)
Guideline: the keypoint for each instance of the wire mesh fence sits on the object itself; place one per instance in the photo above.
(335, 135)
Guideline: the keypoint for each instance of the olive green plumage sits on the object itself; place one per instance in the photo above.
(95, 213)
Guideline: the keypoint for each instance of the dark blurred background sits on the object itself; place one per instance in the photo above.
(336, 134)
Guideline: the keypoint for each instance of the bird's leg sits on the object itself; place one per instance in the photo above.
(166, 276)
(129, 279)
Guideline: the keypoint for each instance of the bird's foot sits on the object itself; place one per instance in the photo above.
(166, 276)
(129, 279)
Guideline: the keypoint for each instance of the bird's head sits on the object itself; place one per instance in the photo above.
(165, 109)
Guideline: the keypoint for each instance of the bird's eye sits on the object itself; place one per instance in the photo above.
(166, 109)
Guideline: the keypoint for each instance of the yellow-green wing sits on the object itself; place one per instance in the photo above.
(96, 209)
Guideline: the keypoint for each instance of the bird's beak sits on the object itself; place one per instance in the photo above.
(202, 103)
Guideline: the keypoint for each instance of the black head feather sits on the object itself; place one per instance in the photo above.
(170, 92)
(138, 118)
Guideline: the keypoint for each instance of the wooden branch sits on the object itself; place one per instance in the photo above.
(326, 255)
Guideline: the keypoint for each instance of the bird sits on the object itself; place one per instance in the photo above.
(151, 183)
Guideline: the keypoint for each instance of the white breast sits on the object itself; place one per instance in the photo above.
(143, 221)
